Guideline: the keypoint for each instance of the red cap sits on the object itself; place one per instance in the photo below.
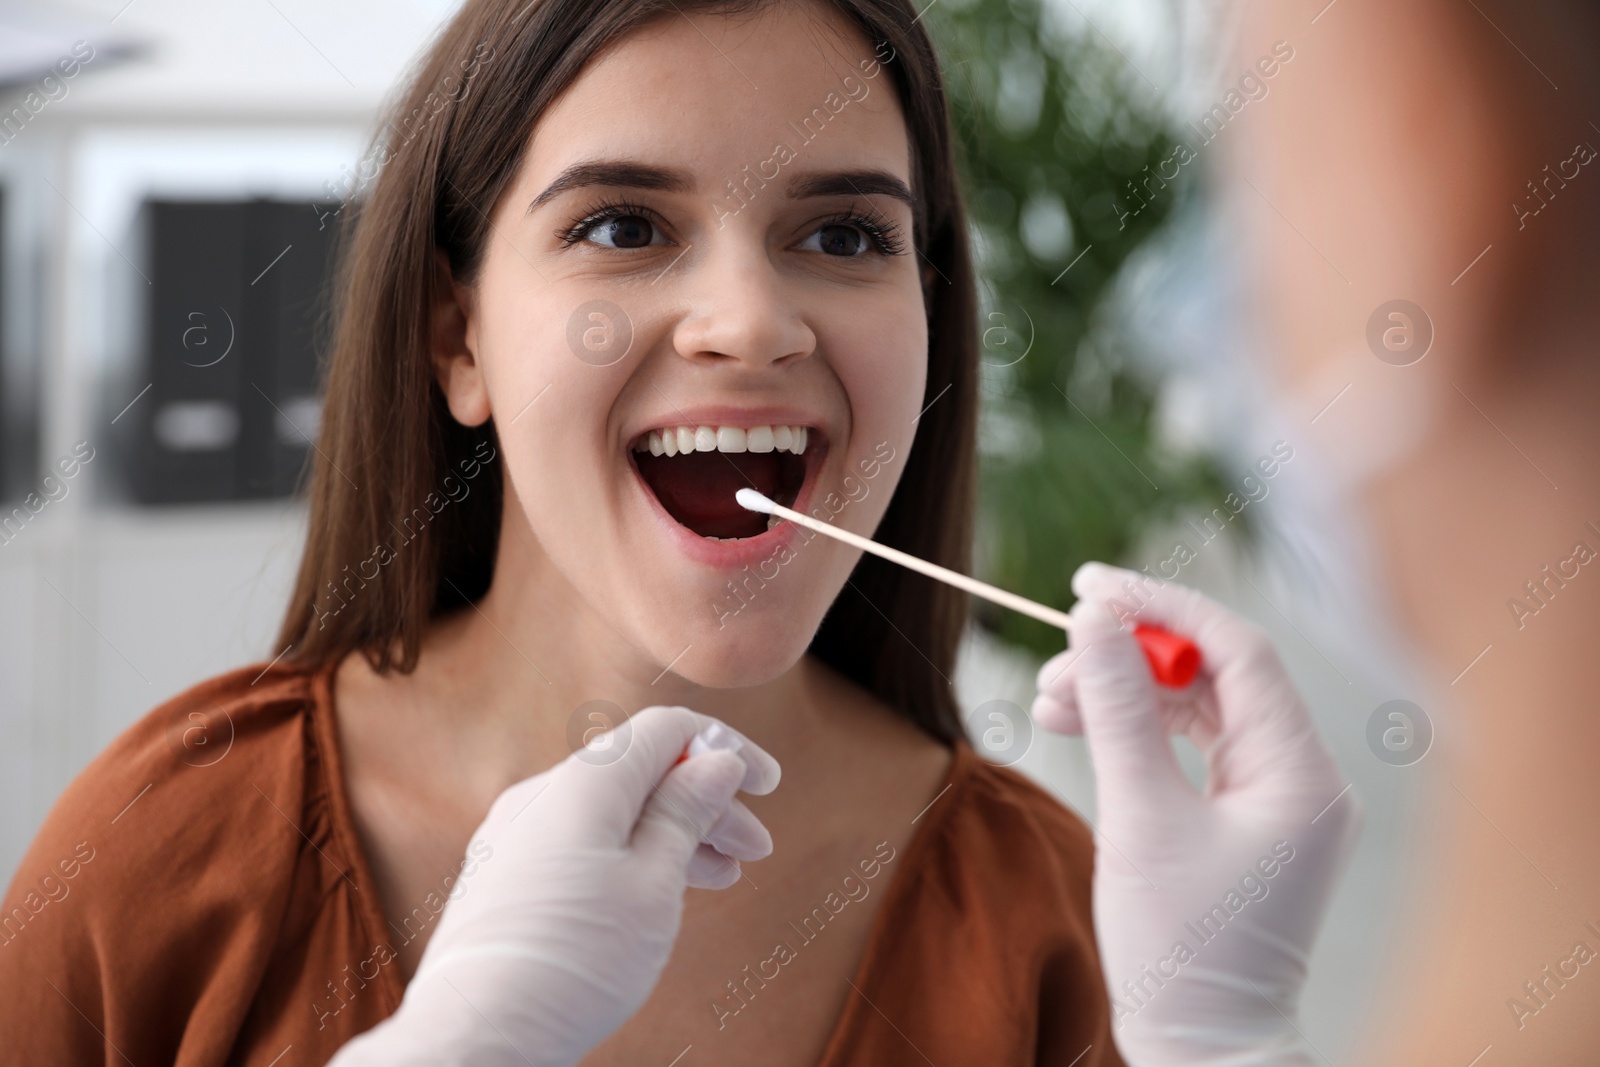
(1174, 660)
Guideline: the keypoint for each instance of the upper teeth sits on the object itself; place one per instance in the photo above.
(676, 439)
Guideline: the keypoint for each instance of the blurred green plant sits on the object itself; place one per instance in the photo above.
(1055, 127)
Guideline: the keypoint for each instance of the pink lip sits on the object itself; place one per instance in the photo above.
(733, 555)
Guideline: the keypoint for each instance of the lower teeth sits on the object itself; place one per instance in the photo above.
(772, 520)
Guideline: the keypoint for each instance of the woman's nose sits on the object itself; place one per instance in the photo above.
(741, 308)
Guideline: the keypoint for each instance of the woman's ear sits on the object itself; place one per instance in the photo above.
(455, 365)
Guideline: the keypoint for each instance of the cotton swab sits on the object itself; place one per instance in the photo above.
(1174, 660)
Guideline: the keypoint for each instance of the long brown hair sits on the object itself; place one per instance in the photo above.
(451, 144)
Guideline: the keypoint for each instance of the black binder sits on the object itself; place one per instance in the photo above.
(236, 304)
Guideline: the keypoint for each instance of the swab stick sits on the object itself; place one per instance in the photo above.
(1174, 660)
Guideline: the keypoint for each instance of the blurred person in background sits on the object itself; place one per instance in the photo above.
(1445, 155)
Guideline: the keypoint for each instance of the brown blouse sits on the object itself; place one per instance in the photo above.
(198, 896)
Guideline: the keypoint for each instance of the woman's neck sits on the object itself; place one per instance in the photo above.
(530, 668)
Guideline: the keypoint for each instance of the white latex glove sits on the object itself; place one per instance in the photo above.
(1206, 905)
(566, 924)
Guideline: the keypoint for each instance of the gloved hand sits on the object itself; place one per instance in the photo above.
(563, 931)
(1206, 905)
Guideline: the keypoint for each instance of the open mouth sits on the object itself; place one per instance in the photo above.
(694, 471)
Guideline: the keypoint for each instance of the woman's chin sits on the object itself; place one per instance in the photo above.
(740, 658)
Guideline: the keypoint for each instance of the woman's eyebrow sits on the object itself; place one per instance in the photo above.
(850, 183)
(625, 175)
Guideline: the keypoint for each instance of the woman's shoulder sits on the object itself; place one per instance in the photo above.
(174, 866)
(1013, 827)
(1000, 862)
(174, 784)
(985, 947)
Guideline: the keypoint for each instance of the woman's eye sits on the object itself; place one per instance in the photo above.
(836, 239)
(624, 231)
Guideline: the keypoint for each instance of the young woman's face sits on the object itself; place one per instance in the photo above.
(702, 278)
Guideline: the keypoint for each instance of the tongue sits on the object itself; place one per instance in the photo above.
(698, 489)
